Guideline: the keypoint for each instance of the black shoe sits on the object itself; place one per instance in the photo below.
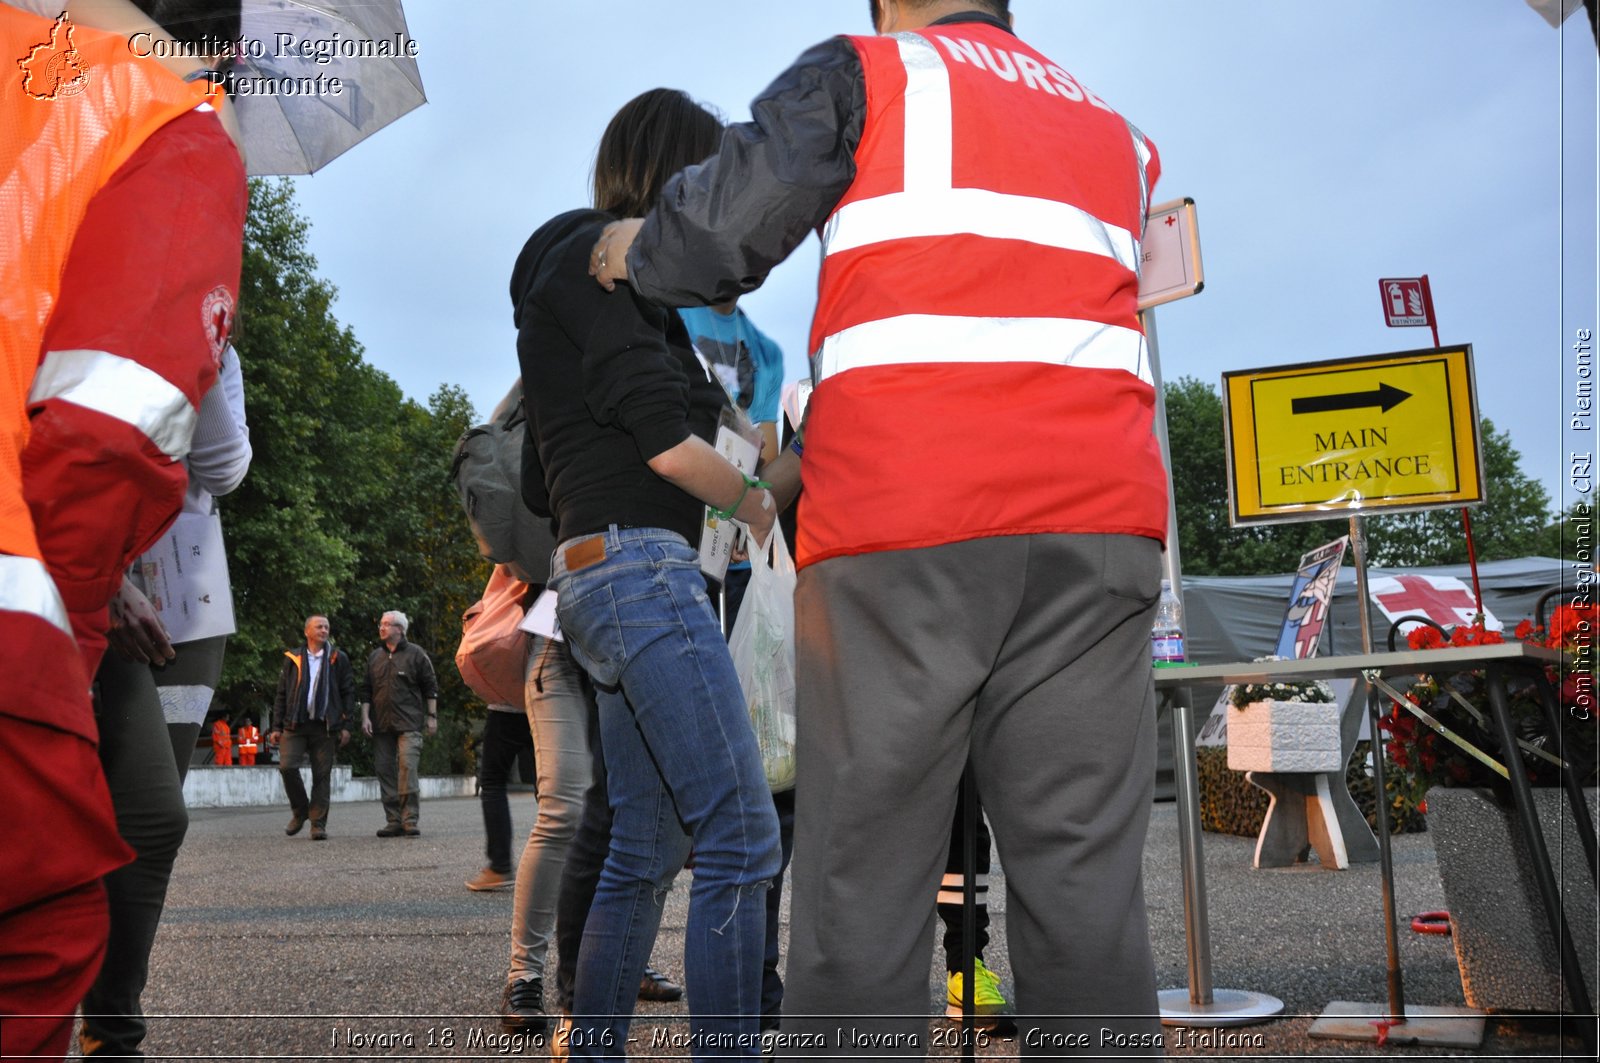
(318, 834)
(658, 987)
(393, 830)
(522, 1007)
(295, 823)
(411, 832)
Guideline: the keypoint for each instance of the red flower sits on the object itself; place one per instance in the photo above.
(1422, 806)
(1428, 759)
(1566, 620)
(1524, 631)
(1459, 769)
(1424, 637)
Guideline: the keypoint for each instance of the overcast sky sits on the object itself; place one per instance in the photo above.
(1326, 145)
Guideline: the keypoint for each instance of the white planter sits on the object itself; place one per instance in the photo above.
(1283, 736)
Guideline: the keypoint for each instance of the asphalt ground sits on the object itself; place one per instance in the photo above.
(369, 948)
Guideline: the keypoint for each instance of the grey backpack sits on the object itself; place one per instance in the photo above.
(487, 469)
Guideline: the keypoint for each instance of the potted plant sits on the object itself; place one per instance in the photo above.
(1508, 959)
(1284, 727)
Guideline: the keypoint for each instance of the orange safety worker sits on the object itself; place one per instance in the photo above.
(248, 739)
(222, 743)
(87, 428)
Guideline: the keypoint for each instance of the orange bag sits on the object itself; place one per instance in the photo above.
(494, 651)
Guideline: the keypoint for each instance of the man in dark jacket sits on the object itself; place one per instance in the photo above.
(316, 697)
(399, 683)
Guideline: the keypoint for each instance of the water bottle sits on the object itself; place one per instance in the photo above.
(1166, 634)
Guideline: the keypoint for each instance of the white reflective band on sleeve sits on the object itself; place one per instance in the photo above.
(929, 148)
(916, 338)
(978, 212)
(26, 587)
(1141, 150)
(120, 388)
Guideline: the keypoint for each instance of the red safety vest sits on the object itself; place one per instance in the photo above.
(981, 366)
(79, 107)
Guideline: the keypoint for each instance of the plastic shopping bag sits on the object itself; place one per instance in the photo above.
(762, 644)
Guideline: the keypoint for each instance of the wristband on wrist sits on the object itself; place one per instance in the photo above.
(797, 447)
(727, 514)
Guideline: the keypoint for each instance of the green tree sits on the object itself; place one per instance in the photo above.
(1510, 523)
(1208, 545)
(348, 509)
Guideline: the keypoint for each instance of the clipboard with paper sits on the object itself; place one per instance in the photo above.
(739, 441)
(185, 576)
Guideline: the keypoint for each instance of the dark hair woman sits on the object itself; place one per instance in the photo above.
(620, 413)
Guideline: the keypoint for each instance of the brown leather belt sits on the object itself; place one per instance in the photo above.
(585, 554)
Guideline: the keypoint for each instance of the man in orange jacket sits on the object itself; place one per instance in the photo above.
(119, 264)
(222, 744)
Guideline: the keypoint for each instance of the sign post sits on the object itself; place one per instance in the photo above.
(1395, 432)
(1407, 303)
(1170, 269)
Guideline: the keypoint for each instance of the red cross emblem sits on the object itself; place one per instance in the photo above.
(1445, 606)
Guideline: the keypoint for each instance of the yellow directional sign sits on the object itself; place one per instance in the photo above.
(1392, 431)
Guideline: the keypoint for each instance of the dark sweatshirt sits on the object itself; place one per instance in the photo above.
(610, 380)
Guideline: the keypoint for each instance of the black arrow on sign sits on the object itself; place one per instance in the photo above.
(1387, 396)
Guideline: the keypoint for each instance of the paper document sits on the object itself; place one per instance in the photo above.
(542, 619)
(185, 577)
(717, 536)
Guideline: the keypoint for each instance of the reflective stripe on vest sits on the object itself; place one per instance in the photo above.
(26, 587)
(931, 207)
(55, 154)
(121, 388)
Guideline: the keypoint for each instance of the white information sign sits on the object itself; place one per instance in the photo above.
(1170, 267)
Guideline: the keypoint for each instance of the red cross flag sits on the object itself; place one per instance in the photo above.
(1443, 599)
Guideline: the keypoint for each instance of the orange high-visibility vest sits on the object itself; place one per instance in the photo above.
(981, 366)
(221, 742)
(79, 107)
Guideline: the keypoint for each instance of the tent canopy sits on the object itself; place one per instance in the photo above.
(1237, 618)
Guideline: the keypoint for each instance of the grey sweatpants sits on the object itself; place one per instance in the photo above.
(1031, 655)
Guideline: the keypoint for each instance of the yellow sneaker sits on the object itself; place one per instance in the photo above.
(986, 998)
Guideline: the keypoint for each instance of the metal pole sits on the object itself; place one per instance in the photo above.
(969, 912)
(1202, 1004)
(1196, 921)
(1397, 998)
(1466, 514)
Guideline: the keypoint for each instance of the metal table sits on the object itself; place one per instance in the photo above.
(1496, 661)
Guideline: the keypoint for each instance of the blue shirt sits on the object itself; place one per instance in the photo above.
(746, 360)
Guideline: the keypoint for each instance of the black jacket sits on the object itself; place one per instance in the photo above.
(398, 684)
(610, 380)
(338, 679)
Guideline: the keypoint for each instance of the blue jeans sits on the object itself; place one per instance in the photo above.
(680, 756)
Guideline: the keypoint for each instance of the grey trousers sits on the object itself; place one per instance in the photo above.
(1031, 656)
(396, 757)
